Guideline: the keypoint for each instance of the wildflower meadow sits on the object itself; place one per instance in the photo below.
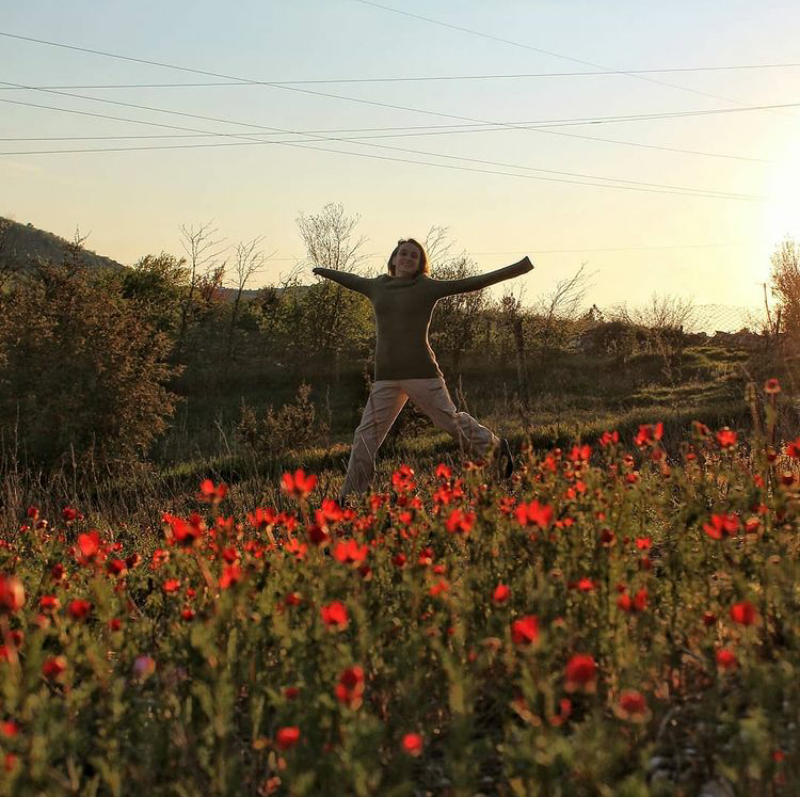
(618, 618)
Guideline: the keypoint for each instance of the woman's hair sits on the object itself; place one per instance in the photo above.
(424, 268)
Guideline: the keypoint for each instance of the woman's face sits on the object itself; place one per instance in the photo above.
(406, 260)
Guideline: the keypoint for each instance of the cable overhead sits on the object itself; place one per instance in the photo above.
(355, 99)
(432, 130)
(325, 94)
(420, 78)
(383, 136)
(549, 52)
(705, 192)
(367, 155)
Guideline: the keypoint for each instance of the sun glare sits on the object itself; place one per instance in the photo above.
(782, 217)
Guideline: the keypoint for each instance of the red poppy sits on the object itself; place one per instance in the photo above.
(210, 493)
(348, 551)
(262, 518)
(565, 709)
(585, 585)
(287, 738)
(335, 615)
(459, 522)
(183, 532)
(721, 525)
(772, 386)
(49, 602)
(632, 706)
(54, 667)
(443, 471)
(171, 585)
(12, 593)
(89, 544)
(350, 688)
(317, 535)
(231, 575)
(79, 609)
(743, 613)
(299, 484)
(69, 514)
(501, 594)
(116, 567)
(534, 514)
(439, 588)
(525, 631)
(293, 599)
(580, 453)
(403, 479)
(726, 659)
(640, 600)
(649, 434)
(726, 438)
(412, 744)
(581, 673)
(607, 439)
(793, 449)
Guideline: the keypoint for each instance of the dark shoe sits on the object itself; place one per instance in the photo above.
(505, 460)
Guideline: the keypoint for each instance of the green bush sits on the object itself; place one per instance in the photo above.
(82, 373)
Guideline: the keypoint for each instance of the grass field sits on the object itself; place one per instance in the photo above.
(620, 617)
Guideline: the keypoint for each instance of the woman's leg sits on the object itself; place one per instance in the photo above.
(386, 400)
(430, 395)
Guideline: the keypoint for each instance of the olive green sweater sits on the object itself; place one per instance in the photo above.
(403, 309)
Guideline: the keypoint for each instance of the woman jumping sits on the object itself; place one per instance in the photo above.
(405, 365)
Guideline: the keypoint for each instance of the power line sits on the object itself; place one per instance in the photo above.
(295, 89)
(362, 101)
(369, 144)
(483, 35)
(611, 249)
(420, 78)
(421, 130)
(644, 186)
(537, 252)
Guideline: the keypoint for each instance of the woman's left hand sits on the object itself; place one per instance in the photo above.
(527, 263)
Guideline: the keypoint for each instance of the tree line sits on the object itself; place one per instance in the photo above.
(94, 361)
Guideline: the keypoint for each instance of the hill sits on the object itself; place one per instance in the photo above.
(24, 245)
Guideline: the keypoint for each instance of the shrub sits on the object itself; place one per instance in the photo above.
(294, 425)
(81, 372)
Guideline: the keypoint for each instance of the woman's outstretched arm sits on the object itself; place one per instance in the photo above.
(347, 279)
(475, 282)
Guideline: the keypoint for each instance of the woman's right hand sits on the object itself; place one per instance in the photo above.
(316, 270)
(527, 263)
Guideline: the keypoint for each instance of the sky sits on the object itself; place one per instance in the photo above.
(689, 206)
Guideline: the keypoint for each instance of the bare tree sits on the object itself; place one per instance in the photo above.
(249, 260)
(457, 319)
(562, 305)
(785, 277)
(512, 313)
(202, 257)
(665, 321)
(330, 241)
(329, 238)
(438, 245)
(8, 265)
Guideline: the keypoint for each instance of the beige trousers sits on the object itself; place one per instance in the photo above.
(385, 402)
